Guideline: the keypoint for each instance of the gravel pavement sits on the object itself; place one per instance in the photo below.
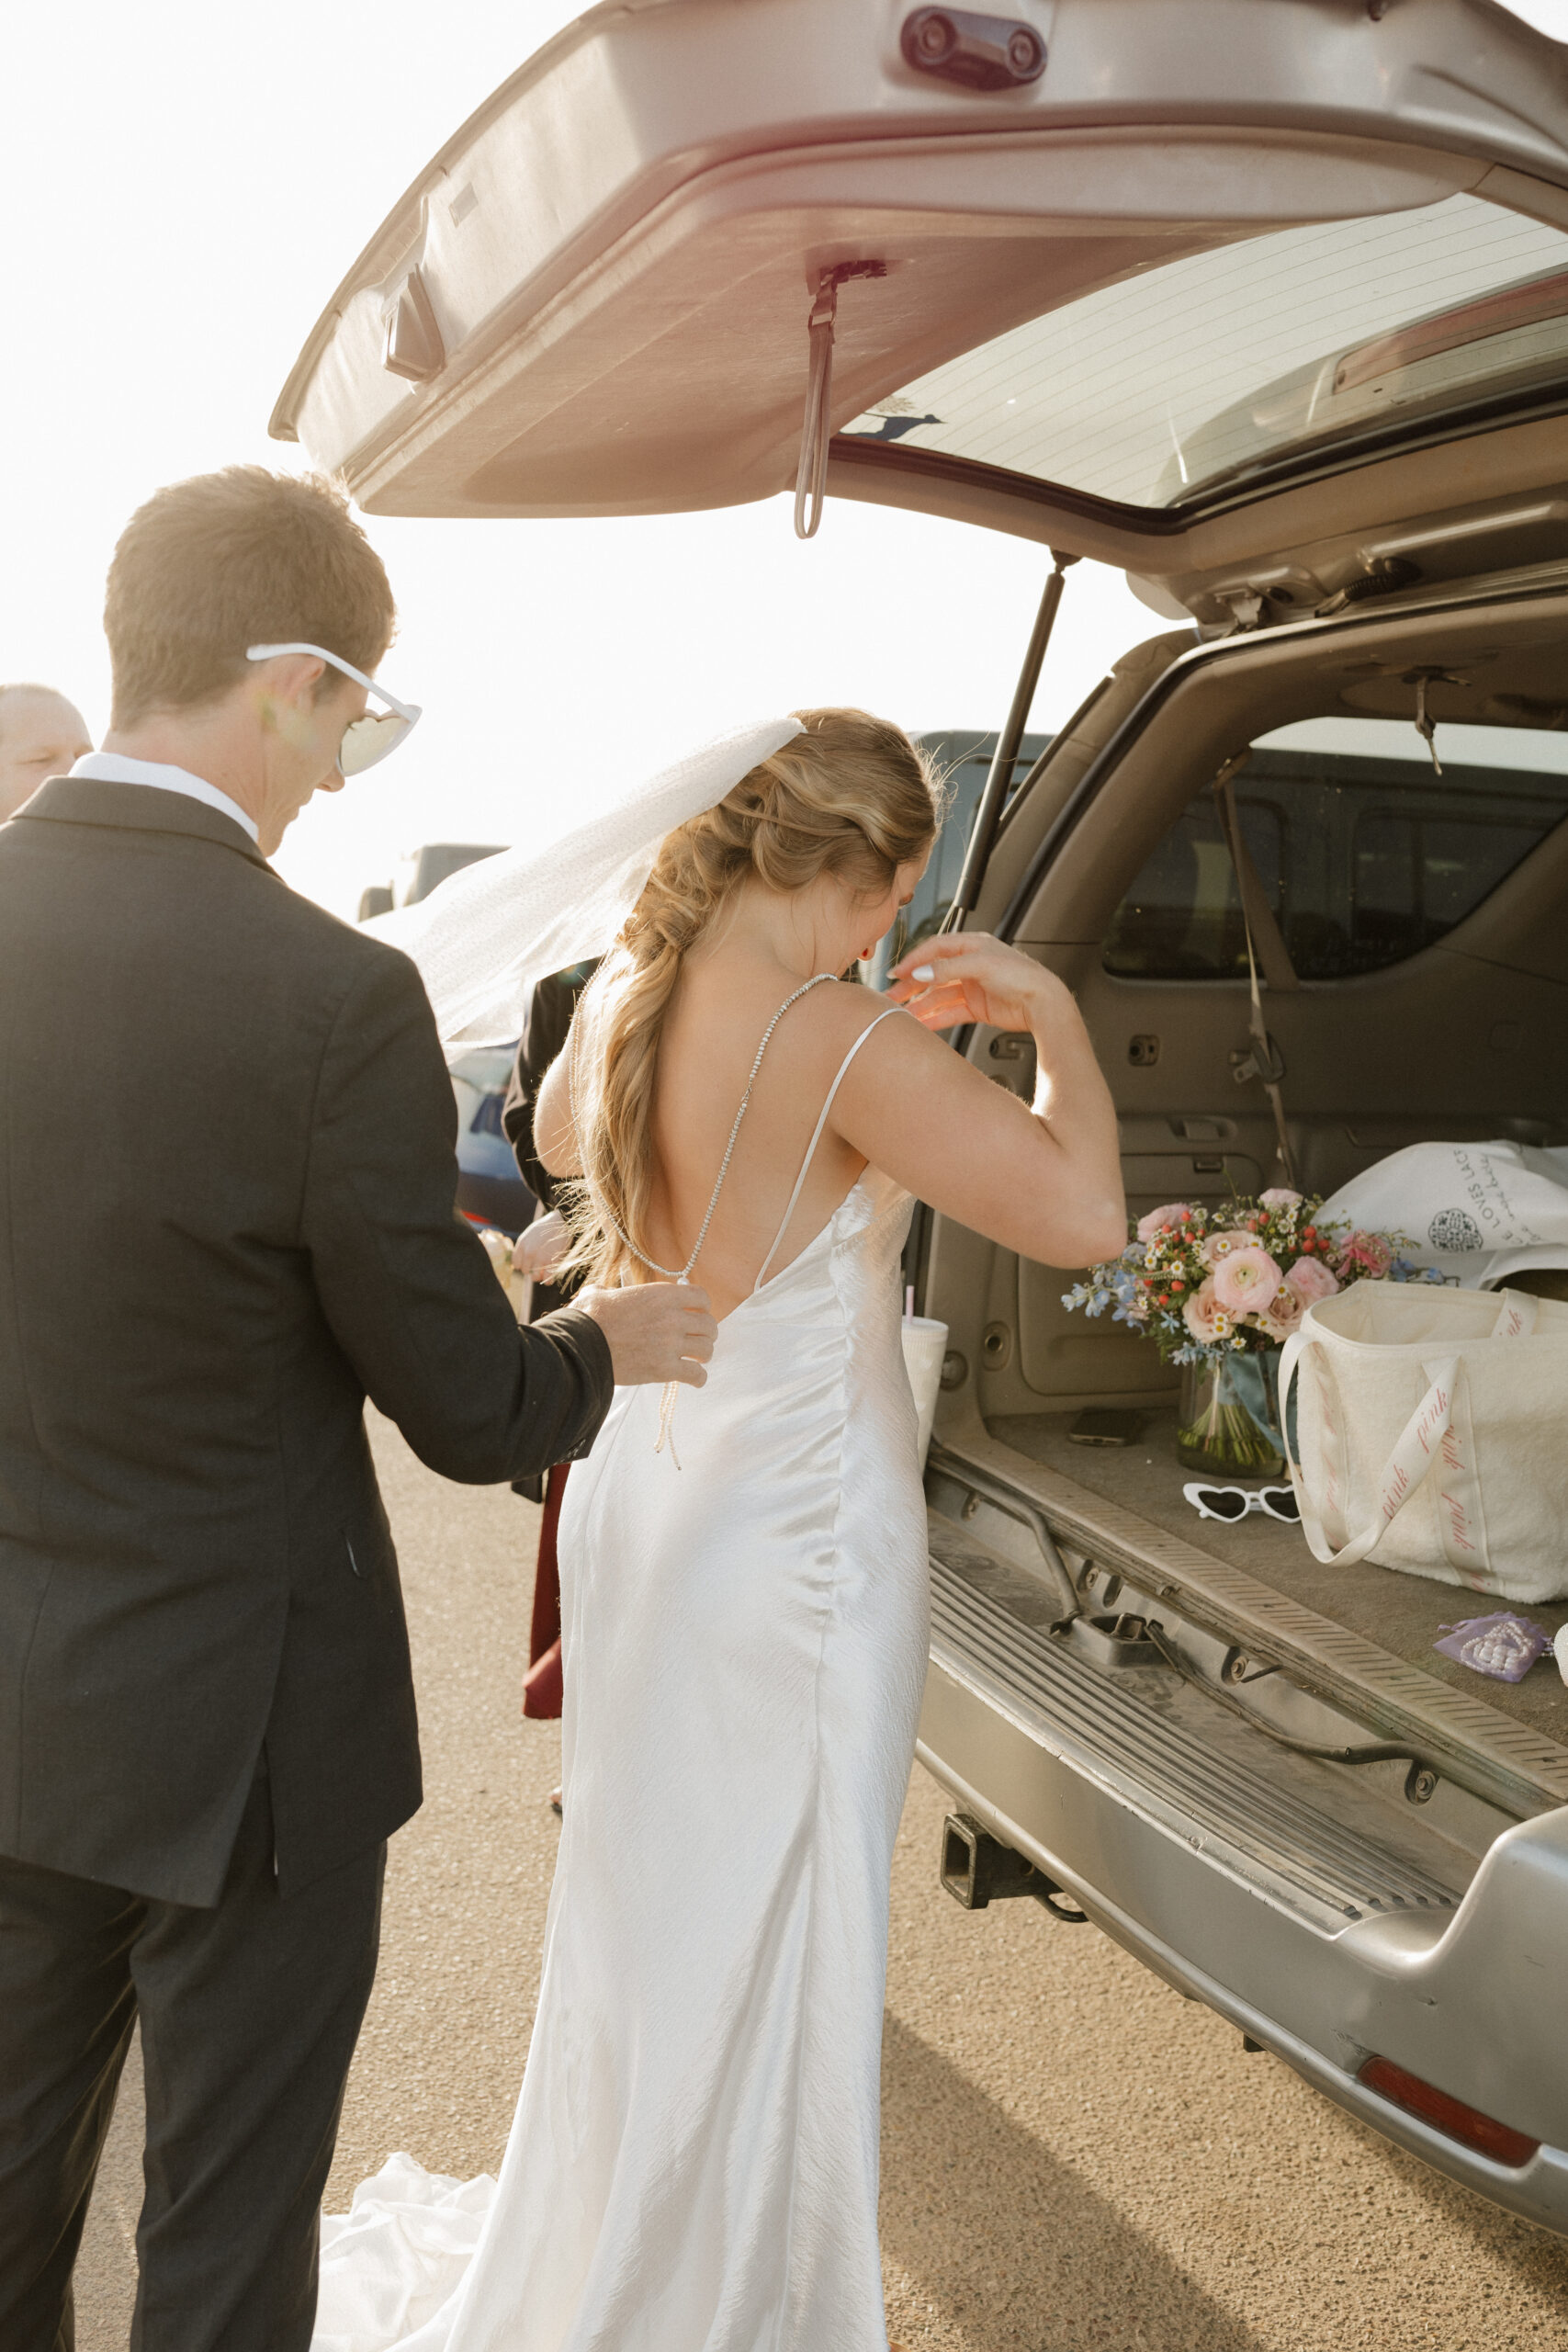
(1073, 2156)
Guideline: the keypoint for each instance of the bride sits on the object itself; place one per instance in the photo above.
(693, 2163)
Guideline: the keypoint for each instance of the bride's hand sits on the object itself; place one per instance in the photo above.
(658, 1331)
(540, 1247)
(964, 975)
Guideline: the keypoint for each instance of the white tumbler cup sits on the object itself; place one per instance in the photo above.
(925, 1345)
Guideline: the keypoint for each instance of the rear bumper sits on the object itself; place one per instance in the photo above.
(1467, 1999)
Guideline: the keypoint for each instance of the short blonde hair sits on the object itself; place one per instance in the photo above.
(210, 566)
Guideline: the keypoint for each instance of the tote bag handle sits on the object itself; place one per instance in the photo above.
(1428, 1438)
(1416, 1455)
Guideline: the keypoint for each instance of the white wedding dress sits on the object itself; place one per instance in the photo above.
(693, 2163)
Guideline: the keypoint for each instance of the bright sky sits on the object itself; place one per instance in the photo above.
(184, 187)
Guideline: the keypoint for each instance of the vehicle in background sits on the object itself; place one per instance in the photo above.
(963, 761)
(490, 1190)
(420, 873)
(1267, 307)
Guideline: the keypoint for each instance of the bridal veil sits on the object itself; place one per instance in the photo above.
(491, 930)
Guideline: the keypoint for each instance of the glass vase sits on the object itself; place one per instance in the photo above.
(1227, 1422)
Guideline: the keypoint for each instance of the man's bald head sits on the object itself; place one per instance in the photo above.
(41, 734)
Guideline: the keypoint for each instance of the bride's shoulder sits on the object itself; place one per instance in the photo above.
(842, 1011)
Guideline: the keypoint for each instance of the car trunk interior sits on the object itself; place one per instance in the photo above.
(1424, 920)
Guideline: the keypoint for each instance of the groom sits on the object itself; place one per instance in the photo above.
(226, 1217)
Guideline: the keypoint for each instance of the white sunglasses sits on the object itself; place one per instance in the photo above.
(1234, 1502)
(365, 740)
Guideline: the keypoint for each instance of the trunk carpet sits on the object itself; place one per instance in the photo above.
(1404, 1613)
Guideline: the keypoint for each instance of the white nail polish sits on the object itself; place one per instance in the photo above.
(923, 972)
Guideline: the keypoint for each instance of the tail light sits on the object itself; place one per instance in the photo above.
(1482, 2132)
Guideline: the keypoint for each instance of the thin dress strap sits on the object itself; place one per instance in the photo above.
(683, 1273)
(816, 1139)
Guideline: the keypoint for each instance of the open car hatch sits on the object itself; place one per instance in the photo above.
(1233, 293)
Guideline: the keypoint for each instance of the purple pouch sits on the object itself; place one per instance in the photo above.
(1504, 1646)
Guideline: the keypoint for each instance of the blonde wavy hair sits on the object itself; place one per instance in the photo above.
(850, 796)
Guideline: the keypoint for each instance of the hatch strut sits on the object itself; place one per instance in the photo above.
(811, 474)
(1260, 931)
(993, 797)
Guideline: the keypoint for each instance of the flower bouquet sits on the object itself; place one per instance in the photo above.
(1219, 1290)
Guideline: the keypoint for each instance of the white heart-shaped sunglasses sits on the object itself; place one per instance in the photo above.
(365, 740)
(1234, 1502)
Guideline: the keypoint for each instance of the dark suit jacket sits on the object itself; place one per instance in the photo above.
(227, 1176)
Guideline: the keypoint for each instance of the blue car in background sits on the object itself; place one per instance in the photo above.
(490, 1190)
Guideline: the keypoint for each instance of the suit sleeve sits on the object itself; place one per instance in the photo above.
(404, 1283)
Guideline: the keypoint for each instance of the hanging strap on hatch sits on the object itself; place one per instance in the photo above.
(815, 432)
(1263, 934)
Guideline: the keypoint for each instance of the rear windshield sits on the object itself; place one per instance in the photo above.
(1188, 379)
(1365, 854)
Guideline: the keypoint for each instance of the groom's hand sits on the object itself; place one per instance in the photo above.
(658, 1331)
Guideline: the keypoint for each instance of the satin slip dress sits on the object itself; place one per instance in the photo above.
(693, 2163)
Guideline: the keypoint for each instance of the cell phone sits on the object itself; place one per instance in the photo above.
(1106, 1425)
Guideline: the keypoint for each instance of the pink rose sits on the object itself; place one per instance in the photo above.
(1280, 1196)
(1365, 1253)
(1157, 1220)
(1310, 1279)
(1205, 1318)
(1216, 1246)
(1245, 1280)
(1283, 1312)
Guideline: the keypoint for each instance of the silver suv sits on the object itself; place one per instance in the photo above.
(1267, 304)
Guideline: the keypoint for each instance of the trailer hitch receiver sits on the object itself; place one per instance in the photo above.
(977, 1870)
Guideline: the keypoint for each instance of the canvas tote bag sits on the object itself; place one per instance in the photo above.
(1432, 1434)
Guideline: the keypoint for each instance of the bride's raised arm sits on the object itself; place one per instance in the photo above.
(1045, 1179)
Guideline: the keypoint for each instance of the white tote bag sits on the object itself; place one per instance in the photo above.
(1433, 1434)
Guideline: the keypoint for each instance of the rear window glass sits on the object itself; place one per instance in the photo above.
(1190, 377)
(1365, 854)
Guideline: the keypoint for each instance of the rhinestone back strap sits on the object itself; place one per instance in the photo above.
(672, 1393)
(684, 1273)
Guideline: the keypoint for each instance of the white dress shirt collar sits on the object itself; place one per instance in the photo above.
(113, 767)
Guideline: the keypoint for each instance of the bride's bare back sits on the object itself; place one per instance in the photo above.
(1042, 1180)
(720, 1011)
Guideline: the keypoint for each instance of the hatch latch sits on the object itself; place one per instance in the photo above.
(1247, 607)
(981, 52)
(811, 474)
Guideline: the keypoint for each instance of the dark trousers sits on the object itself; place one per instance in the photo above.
(249, 2016)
